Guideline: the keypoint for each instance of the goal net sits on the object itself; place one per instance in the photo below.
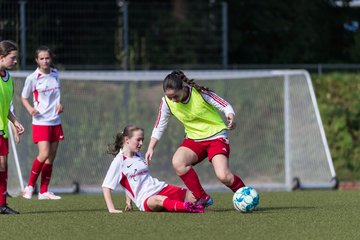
(279, 141)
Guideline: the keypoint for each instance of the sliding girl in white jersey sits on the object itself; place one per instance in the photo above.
(129, 171)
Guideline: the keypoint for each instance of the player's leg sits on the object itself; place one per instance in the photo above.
(221, 167)
(4, 150)
(160, 203)
(3, 177)
(189, 197)
(218, 153)
(46, 172)
(38, 163)
(182, 161)
(55, 134)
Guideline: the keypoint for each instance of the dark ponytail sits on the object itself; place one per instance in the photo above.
(176, 79)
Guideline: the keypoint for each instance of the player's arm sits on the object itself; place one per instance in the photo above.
(32, 111)
(18, 126)
(109, 201)
(25, 94)
(128, 204)
(222, 105)
(16, 135)
(14, 129)
(159, 128)
(59, 108)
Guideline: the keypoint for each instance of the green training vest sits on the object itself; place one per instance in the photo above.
(6, 95)
(200, 119)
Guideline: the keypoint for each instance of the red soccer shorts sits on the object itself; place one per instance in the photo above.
(170, 191)
(208, 148)
(47, 133)
(4, 146)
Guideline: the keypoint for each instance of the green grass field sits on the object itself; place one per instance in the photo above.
(282, 215)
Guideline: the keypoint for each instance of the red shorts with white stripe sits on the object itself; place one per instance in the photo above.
(170, 191)
(47, 133)
(208, 148)
(4, 146)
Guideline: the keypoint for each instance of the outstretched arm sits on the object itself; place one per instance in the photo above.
(159, 128)
(150, 150)
(109, 202)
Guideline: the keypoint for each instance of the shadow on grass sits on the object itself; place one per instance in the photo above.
(266, 209)
(66, 211)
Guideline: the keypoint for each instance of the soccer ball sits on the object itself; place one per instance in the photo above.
(246, 199)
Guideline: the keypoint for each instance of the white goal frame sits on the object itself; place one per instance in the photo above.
(291, 180)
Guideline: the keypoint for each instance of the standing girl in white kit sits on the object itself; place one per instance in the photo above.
(44, 86)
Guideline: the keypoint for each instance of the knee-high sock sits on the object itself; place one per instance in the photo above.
(3, 187)
(174, 205)
(35, 171)
(192, 182)
(236, 184)
(45, 177)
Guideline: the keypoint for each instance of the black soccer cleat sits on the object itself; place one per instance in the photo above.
(7, 210)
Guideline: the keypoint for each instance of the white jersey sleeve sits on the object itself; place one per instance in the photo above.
(27, 89)
(113, 175)
(162, 120)
(45, 91)
(218, 102)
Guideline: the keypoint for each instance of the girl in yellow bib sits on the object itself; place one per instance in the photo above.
(8, 59)
(206, 134)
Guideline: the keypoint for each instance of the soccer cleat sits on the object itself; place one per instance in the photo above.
(205, 202)
(28, 192)
(48, 196)
(7, 210)
(190, 207)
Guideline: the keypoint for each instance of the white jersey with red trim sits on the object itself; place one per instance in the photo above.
(45, 89)
(132, 173)
(209, 96)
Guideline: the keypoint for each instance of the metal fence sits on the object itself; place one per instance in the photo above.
(118, 34)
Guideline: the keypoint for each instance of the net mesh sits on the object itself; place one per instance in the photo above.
(98, 105)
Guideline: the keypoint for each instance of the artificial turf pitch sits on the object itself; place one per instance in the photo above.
(282, 215)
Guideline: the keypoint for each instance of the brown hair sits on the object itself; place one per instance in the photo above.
(115, 147)
(45, 49)
(7, 46)
(176, 79)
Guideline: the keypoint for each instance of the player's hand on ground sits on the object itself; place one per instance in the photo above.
(115, 211)
(128, 207)
(231, 121)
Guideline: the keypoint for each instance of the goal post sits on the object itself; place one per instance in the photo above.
(279, 142)
(15, 182)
